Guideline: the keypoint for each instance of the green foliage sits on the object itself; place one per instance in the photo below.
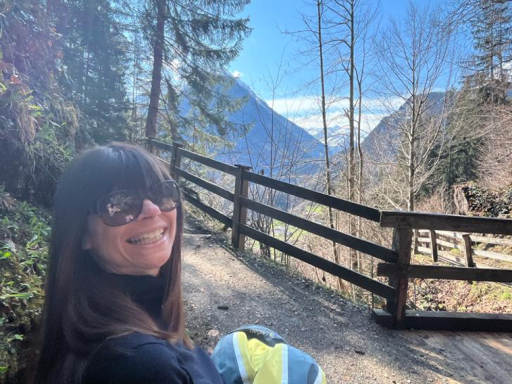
(94, 58)
(488, 203)
(491, 27)
(24, 233)
(201, 39)
(37, 123)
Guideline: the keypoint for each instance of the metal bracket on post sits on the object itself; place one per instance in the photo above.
(175, 160)
(239, 212)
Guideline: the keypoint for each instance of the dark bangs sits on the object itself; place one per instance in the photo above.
(130, 167)
(102, 170)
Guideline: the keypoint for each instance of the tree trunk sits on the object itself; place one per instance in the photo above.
(326, 144)
(351, 159)
(156, 76)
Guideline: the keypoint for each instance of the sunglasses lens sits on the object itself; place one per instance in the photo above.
(166, 195)
(119, 208)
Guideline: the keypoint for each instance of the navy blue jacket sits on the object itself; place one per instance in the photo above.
(139, 358)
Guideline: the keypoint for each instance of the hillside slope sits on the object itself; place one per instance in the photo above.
(273, 141)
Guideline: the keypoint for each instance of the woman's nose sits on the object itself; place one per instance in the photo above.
(149, 209)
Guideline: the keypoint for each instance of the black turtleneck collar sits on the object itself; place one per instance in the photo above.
(145, 291)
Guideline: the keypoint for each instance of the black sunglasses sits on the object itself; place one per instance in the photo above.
(122, 207)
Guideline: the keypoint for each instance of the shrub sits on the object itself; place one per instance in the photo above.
(24, 233)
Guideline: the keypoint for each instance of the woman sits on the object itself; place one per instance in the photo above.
(114, 311)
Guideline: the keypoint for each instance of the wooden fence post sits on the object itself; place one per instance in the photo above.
(468, 251)
(402, 243)
(433, 245)
(239, 212)
(175, 160)
(416, 241)
(149, 145)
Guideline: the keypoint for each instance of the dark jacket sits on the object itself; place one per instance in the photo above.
(138, 358)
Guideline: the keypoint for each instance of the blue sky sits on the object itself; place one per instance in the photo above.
(268, 51)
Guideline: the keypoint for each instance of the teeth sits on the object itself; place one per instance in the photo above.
(147, 238)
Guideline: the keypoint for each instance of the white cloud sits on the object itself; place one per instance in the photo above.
(313, 123)
(237, 74)
(294, 105)
(306, 105)
(305, 111)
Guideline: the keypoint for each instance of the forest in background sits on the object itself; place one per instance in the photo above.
(75, 73)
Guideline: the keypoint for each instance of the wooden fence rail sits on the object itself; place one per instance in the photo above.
(240, 227)
(441, 242)
(398, 268)
(404, 270)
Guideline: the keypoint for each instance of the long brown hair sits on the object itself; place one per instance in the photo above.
(83, 306)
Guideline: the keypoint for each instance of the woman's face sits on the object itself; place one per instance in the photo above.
(140, 247)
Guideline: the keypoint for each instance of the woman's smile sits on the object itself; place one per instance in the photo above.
(147, 238)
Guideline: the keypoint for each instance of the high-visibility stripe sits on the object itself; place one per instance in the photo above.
(284, 373)
(319, 377)
(239, 359)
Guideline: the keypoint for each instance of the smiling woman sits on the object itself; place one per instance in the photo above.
(113, 311)
(131, 234)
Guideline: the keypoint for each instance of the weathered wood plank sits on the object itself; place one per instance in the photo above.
(363, 246)
(433, 245)
(491, 240)
(159, 144)
(449, 321)
(219, 165)
(452, 234)
(175, 161)
(206, 184)
(468, 251)
(239, 210)
(317, 197)
(424, 250)
(354, 277)
(446, 257)
(458, 223)
(474, 238)
(403, 263)
(209, 210)
(492, 255)
(449, 244)
(442, 272)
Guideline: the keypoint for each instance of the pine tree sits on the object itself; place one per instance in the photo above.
(192, 41)
(94, 58)
(491, 27)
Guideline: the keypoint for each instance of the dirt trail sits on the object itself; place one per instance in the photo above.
(224, 290)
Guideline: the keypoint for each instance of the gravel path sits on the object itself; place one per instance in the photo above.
(224, 290)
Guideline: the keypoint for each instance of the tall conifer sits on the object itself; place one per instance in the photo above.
(94, 58)
(192, 41)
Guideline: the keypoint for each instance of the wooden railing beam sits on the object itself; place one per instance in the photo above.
(347, 240)
(444, 272)
(457, 223)
(239, 211)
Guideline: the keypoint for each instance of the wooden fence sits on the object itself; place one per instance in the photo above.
(441, 244)
(397, 266)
